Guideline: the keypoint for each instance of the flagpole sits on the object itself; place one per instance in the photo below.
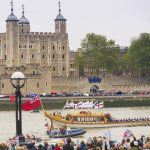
(50, 127)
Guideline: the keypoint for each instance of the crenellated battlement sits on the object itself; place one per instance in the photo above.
(43, 35)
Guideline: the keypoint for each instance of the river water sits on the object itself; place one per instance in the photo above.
(33, 123)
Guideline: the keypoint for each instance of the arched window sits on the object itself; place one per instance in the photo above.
(53, 56)
(22, 56)
(2, 85)
(5, 57)
(43, 47)
(33, 72)
(53, 68)
(38, 85)
(33, 56)
(63, 47)
(63, 68)
(43, 56)
(63, 56)
(53, 47)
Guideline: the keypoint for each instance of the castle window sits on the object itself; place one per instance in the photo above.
(46, 84)
(38, 85)
(24, 46)
(33, 72)
(43, 47)
(21, 55)
(53, 68)
(2, 85)
(33, 56)
(5, 57)
(22, 30)
(30, 46)
(63, 68)
(22, 25)
(63, 56)
(53, 47)
(53, 56)
(43, 56)
(20, 46)
(63, 47)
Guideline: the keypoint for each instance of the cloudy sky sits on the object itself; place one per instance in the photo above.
(120, 20)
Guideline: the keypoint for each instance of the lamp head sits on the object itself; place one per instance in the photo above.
(17, 79)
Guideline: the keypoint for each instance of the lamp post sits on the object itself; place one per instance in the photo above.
(18, 80)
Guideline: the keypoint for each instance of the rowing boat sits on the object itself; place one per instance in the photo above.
(87, 119)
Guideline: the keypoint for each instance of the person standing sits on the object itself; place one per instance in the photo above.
(68, 146)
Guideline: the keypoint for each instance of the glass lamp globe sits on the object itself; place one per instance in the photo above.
(17, 79)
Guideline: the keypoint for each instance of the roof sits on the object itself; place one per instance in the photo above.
(12, 17)
(23, 20)
(60, 17)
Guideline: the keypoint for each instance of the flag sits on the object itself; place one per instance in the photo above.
(98, 104)
(127, 133)
(31, 104)
(78, 105)
(12, 98)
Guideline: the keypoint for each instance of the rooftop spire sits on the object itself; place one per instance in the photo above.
(11, 6)
(59, 7)
(22, 9)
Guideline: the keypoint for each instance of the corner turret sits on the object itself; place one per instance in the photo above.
(24, 24)
(60, 22)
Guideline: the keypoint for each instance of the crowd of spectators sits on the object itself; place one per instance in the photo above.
(95, 143)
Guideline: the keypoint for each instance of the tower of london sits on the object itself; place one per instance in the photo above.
(40, 56)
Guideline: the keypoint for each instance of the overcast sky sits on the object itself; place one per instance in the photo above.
(120, 20)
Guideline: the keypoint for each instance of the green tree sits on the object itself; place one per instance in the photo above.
(98, 54)
(138, 55)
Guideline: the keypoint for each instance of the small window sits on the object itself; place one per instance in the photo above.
(43, 56)
(43, 47)
(63, 68)
(22, 30)
(5, 57)
(30, 46)
(46, 84)
(33, 56)
(21, 55)
(63, 56)
(33, 72)
(2, 85)
(53, 47)
(38, 85)
(63, 47)
(53, 68)
(53, 56)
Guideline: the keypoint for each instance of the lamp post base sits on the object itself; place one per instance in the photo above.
(21, 140)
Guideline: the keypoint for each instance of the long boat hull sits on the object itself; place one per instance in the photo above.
(62, 122)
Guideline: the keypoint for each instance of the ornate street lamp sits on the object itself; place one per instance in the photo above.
(18, 80)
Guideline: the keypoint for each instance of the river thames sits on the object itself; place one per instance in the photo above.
(33, 123)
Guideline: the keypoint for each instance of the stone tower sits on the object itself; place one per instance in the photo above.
(60, 22)
(23, 24)
(11, 38)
